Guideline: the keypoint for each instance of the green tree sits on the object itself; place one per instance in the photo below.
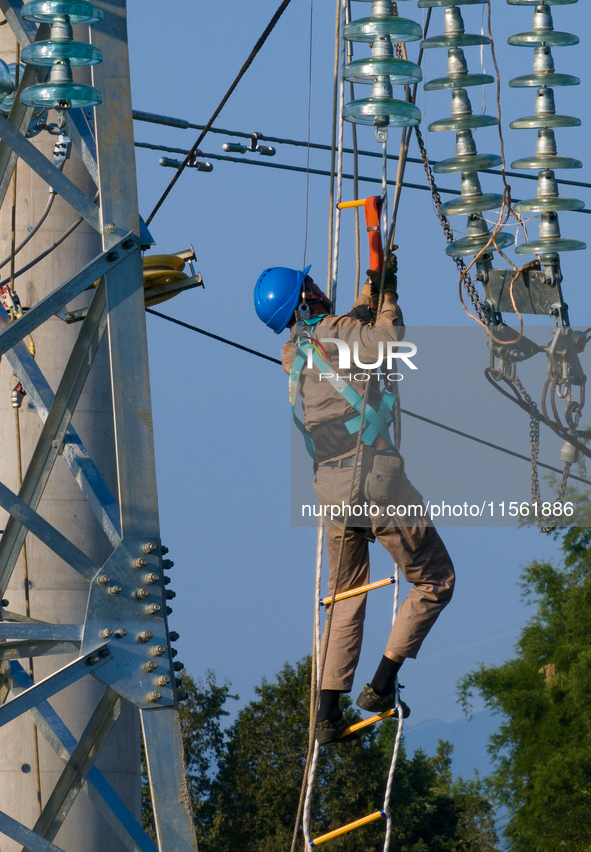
(542, 749)
(258, 783)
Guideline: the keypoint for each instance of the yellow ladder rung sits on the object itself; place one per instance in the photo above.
(359, 726)
(360, 590)
(359, 202)
(352, 825)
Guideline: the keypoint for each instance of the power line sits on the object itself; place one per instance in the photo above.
(403, 410)
(267, 32)
(153, 118)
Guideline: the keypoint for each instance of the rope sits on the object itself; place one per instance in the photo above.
(333, 147)
(355, 164)
(400, 726)
(267, 32)
(309, 126)
(339, 192)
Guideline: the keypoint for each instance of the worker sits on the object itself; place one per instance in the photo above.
(289, 298)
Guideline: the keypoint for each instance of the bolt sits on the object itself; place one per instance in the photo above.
(167, 564)
(5, 602)
(154, 696)
(182, 696)
(92, 660)
(169, 610)
(169, 594)
(150, 547)
(145, 635)
(178, 682)
(174, 636)
(158, 650)
(106, 633)
(164, 550)
(115, 590)
(128, 244)
(111, 227)
(103, 580)
(140, 563)
(150, 666)
(113, 256)
(163, 680)
(151, 578)
(119, 634)
(152, 609)
(173, 652)
(166, 580)
(178, 666)
(104, 652)
(141, 594)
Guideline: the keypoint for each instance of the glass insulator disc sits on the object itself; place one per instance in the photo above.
(78, 11)
(548, 205)
(551, 79)
(425, 4)
(550, 246)
(6, 84)
(397, 113)
(455, 82)
(61, 96)
(47, 52)
(471, 205)
(532, 121)
(550, 162)
(537, 2)
(542, 37)
(465, 165)
(460, 40)
(467, 122)
(400, 71)
(366, 29)
(469, 246)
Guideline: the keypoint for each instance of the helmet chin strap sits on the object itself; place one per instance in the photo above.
(303, 309)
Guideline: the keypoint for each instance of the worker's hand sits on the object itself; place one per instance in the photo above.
(391, 281)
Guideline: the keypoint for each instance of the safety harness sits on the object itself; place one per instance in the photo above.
(377, 419)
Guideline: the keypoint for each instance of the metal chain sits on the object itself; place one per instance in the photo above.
(534, 437)
(448, 233)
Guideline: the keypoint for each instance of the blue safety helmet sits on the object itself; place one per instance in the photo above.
(277, 294)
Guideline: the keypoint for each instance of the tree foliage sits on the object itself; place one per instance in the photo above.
(542, 749)
(246, 785)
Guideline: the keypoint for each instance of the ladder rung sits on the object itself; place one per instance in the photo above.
(352, 825)
(359, 202)
(359, 726)
(360, 590)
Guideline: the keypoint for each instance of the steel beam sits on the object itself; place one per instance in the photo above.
(24, 835)
(44, 689)
(79, 764)
(99, 790)
(55, 427)
(126, 248)
(57, 632)
(15, 650)
(173, 812)
(78, 122)
(46, 533)
(83, 469)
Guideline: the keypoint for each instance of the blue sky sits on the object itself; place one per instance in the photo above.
(243, 575)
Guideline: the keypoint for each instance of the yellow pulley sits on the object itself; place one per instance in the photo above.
(160, 271)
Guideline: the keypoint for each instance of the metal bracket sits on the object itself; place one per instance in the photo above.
(531, 294)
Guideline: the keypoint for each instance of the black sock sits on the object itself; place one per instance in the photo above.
(329, 709)
(385, 677)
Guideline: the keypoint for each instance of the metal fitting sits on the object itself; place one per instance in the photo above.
(145, 636)
(549, 226)
(106, 633)
(453, 23)
(119, 634)
(174, 636)
(91, 661)
(111, 227)
(543, 60)
(163, 680)
(169, 594)
(16, 398)
(465, 144)
(174, 652)
(153, 609)
(547, 184)
(460, 102)
(178, 666)
(164, 550)
(142, 594)
(157, 650)
(154, 696)
(382, 47)
(169, 610)
(457, 65)
(150, 666)
(167, 564)
(477, 227)
(546, 143)
(166, 580)
(542, 18)
(115, 590)
(470, 185)
(103, 580)
(140, 563)
(382, 7)
(382, 88)
(545, 104)
(151, 578)
(150, 547)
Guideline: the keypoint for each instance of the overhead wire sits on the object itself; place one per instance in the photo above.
(309, 130)
(259, 44)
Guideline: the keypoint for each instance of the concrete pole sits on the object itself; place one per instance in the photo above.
(57, 593)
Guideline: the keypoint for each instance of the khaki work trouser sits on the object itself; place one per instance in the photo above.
(415, 545)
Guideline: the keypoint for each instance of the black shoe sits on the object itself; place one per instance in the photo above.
(370, 700)
(331, 732)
